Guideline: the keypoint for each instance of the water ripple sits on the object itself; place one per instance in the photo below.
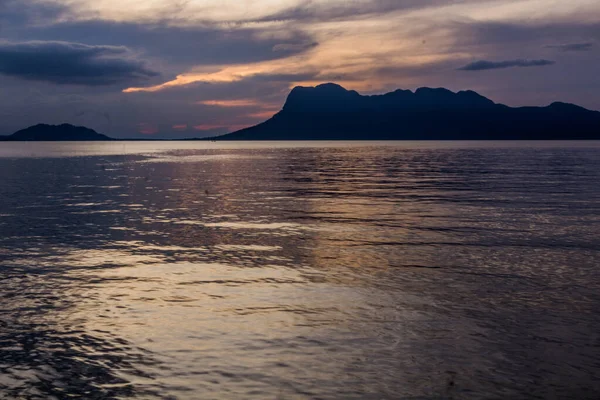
(355, 271)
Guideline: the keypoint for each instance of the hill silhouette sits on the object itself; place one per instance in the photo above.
(330, 112)
(64, 132)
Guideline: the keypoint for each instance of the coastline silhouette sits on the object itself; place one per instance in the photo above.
(331, 112)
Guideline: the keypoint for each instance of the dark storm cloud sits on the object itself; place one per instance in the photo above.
(183, 46)
(71, 63)
(204, 43)
(571, 46)
(485, 65)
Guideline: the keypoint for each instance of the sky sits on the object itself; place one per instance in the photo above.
(197, 68)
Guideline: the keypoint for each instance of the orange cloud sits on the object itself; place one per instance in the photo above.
(230, 103)
(359, 59)
(224, 74)
(210, 127)
(262, 114)
(147, 129)
(181, 127)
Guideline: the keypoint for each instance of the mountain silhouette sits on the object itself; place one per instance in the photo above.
(330, 112)
(64, 132)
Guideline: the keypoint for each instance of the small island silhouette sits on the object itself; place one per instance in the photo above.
(330, 112)
(63, 132)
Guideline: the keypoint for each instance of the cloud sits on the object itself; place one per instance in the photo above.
(308, 11)
(231, 13)
(268, 71)
(230, 103)
(500, 33)
(587, 46)
(71, 63)
(146, 128)
(485, 65)
(296, 47)
(214, 57)
(181, 46)
(26, 12)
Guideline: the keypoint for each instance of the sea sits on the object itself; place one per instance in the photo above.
(300, 270)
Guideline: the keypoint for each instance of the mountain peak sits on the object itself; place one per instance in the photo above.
(559, 105)
(333, 97)
(432, 91)
(330, 112)
(331, 87)
(314, 97)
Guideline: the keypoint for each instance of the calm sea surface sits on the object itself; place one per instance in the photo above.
(195, 270)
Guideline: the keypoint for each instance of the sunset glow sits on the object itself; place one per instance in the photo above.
(229, 103)
(203, 61)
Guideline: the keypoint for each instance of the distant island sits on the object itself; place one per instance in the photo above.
(64, 132)
(330, 112)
